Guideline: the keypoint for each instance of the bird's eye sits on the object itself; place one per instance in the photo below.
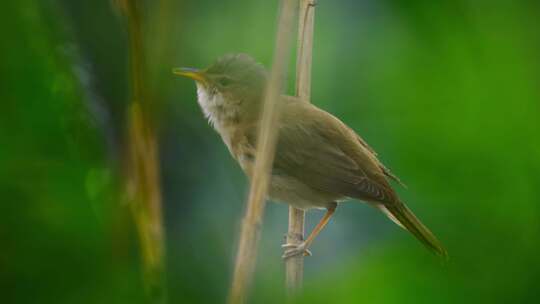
(224, 81)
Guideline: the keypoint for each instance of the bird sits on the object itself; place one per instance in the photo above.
(319, 161)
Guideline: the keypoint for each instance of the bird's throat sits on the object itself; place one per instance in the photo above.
(217, 110)
(224, 115)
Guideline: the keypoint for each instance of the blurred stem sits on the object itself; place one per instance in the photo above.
(294, 266)
(250, 231)
(142, 170)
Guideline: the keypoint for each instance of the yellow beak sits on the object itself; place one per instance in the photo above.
(192, 73)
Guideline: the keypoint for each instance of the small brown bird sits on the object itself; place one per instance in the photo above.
(319, 161)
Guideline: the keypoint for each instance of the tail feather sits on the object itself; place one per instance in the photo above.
(403, 216)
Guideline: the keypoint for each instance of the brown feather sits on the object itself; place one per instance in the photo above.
(319, 150)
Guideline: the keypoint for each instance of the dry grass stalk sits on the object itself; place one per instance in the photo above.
(294, 267)
(142, 165)
(250, 231)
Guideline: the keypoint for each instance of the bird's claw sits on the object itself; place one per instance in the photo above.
(292, 250)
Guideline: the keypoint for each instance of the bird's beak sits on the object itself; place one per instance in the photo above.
(195, 74)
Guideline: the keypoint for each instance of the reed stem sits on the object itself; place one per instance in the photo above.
(294, 266)
(251, 225)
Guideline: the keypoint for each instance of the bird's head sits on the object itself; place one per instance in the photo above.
(232, 81)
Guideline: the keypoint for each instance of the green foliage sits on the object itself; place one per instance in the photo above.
(446, 92)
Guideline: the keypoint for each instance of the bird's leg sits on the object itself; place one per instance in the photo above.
(302, 248)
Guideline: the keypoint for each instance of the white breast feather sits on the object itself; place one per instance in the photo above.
(209, 103)
(217, 111)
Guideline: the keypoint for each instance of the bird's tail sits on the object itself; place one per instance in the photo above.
(403, 216)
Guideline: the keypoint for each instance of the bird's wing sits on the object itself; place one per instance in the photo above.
(385, 170)
(321, 151)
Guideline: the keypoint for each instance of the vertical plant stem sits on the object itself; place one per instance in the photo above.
(142, 166)
(251, 225)
(304, 54)
(294, 267)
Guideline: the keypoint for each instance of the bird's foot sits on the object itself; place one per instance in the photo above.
(292, 250)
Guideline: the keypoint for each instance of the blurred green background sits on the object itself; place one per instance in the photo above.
(446, 91)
